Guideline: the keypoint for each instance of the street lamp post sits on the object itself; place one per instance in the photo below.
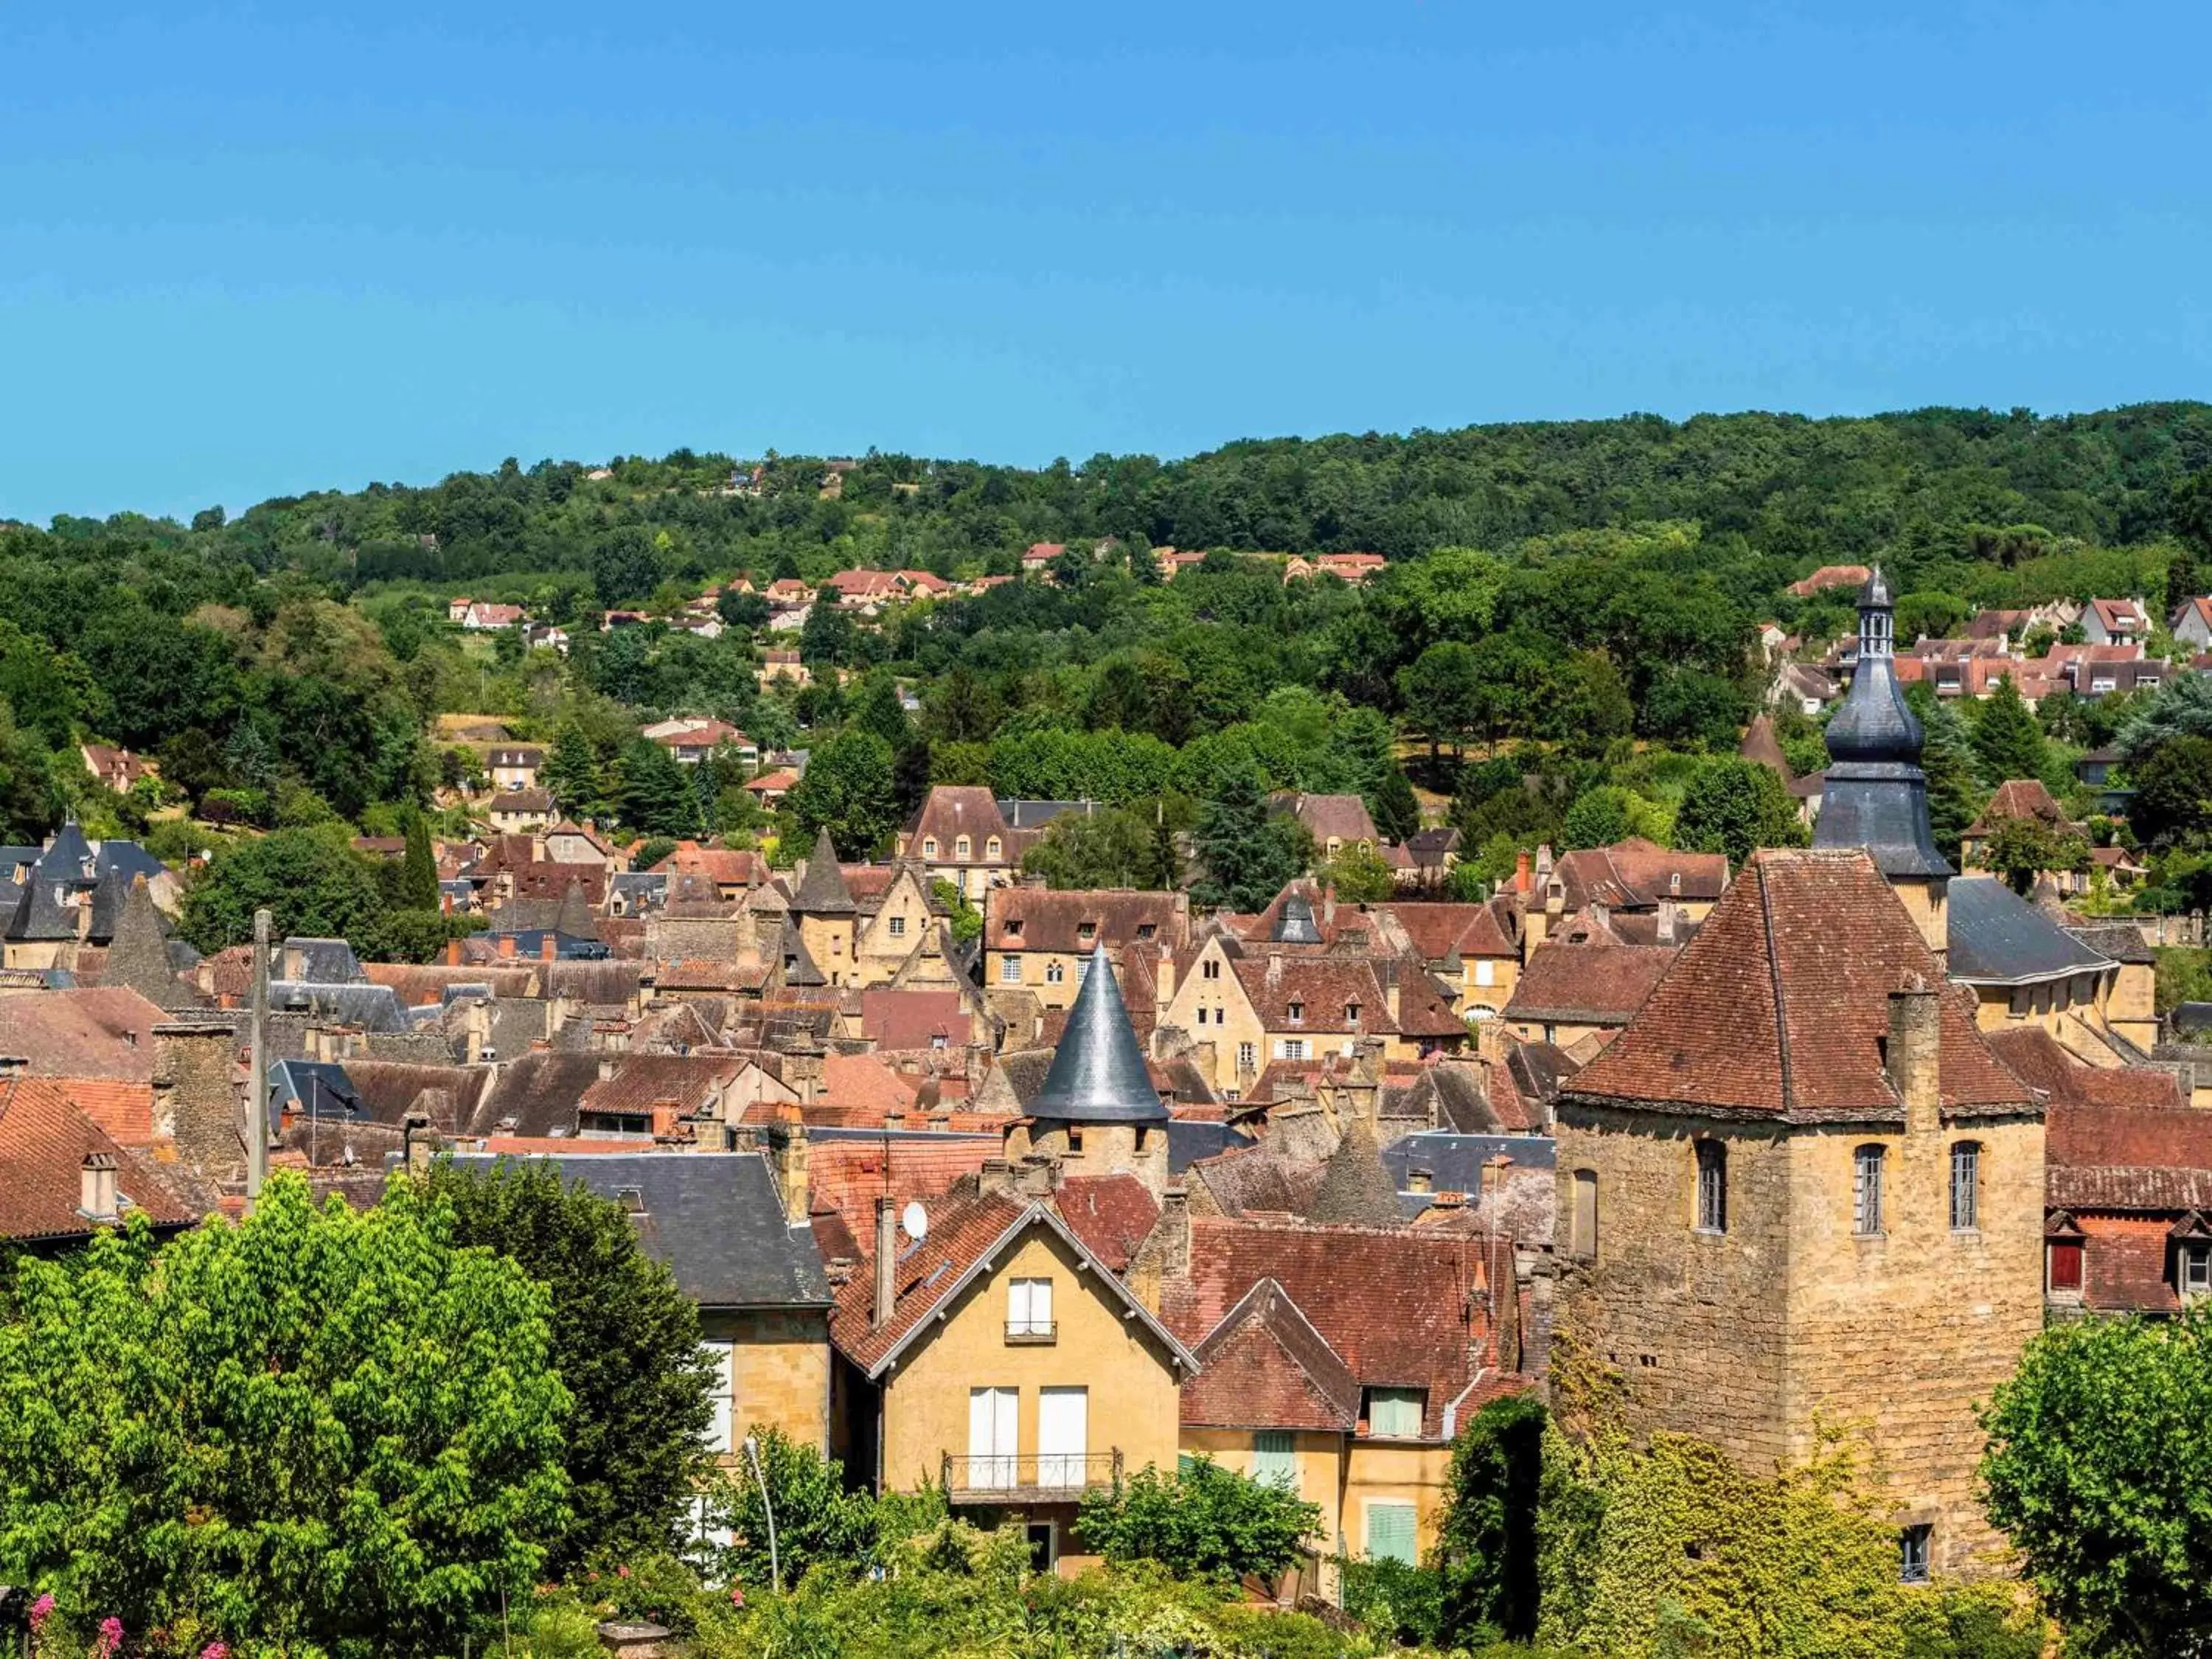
(774, 1569)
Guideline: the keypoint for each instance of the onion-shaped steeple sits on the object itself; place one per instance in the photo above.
(1874, 794)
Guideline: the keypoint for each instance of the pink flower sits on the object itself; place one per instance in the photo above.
(41, 1610)
(737, 1595)
(622, 1573)
(216, 1650)
(111, 1636)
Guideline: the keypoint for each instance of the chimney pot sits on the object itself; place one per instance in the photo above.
(886, 1261)
(96, 1186)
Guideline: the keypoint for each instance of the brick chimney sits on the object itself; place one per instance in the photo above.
(453, 953)
(787, 1160)
(547, 947)
(96, 1188)
(506, 947)
(1912, 1053)
(1521, 876)
(886, 1261)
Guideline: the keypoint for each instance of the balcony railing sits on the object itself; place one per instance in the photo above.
(1031, 1333)
(1042, 1477)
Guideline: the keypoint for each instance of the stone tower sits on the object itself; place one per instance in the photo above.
(1874, 794)
(824, 912)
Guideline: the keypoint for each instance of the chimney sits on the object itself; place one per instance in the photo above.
(1163, 981)
(453, 953)
(886, 1261)
(1275, 969)
(96, 1186)
(1670, 922)
(547, 947)
(1328, 906)
(1175, 1233)
(506, 947)
(1911, 1056)
(1389, 971)
(787, 1158)
(1521, 872)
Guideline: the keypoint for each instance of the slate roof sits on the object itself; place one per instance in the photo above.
(1097, 1073)
(715, 1218)
(320, 961)
(1779, 1007)
(321, 1088)
(1190, 1140)
(372, 1008)
(1997, 938)
(44, 1138)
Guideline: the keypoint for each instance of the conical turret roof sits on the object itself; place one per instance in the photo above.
(1874, 794)
(823, 891)
(575, 916)
(1097, 1075)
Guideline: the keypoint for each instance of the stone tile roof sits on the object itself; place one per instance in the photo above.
(1260, 1181)
(914, 1019)
(1111, 1214)
(951, 811)
(2036, 1058)
(103, 1031)
(1264, 1366)
(1600, 984)
(847, 1174)
(1400, 1309)
(2110, 1156)
(1636, 874)
(44, 1138)
(1779, 1007)
(1442, 932)
(538, 1091)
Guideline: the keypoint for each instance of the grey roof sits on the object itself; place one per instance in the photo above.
(372, 1007)
(1354, 1186)
(1294, 924)
(129, 859)
(1190, 1138)
(1874, 794)
(649, 885)
(715, 1218)
(43, 912)
(322, 1088)
(13, 858)
(2123, 941)
(823, 891)
(69, 855)
(575, 916)
(1036, 814)
(107, 895)
(1097, 1073)
(1998, 938)
(800, 967)
(323, 961)
(1453, 1162)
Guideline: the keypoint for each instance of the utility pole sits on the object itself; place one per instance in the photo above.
(256, 1087)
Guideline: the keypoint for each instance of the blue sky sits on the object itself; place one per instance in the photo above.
(248, 251)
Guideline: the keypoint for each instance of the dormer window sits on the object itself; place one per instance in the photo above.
(960, 848)
(929, 846)
(1086, 931)
(1352, 1013)
(1014, 928)
(994, 849)
(1145, 930)
(1296, 1013)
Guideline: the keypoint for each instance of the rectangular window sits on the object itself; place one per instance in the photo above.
(1010, 969)
(1712, 1186)
(1273, 1458)
(721, 1357)
(1245, 1057)
(2064, 1255)
(1296, 1013)
(1390, 1532)
(992, 1416)
(898, 926)
(1912, 1554)
(2195, 1265)
(1029, 1310)
(1866, 1191)
(1486, 971)
(1584, 1241)
(1966, 1186)
(1395, 1414)
(1290, 1049)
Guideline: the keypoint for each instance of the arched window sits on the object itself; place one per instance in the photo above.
(1866, 1191)
(1582, 1222)
(1712, 1186)
(1965, 1186)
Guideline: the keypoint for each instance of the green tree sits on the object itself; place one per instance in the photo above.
(1599, 817)
(2007, 742)
(1736, 806)
(2097, 1470)
(625, 1340)
(418, 868)
(848, 789)
(1203, 1522)
(323, 1429)
(967, 920)
(1248, 851)
(1361, 877)
(311, 882)
(876, 707)
(1442, 693)
(818, 1521)
(625, 565)
(1487, 1546)
(657, 794)
(572, 771)
(2021, 848)
(1112, 847)
(2172, 802)
(1397, 811)
(1947, 760)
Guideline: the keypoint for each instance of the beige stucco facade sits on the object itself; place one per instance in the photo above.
(829, 940)
(1486, 983)
(1131, 1377)
(1789, 1322)
(1346, 1477)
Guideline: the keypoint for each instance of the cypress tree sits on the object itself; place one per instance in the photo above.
(418, 869)
(2008, 743)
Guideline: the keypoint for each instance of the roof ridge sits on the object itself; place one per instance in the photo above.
(1781, 1008)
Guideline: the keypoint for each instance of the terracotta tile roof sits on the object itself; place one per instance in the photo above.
(2019, 797)
(1830, 575)
(1037, 919)
(1265, 1366)
(106, 1031)
(1400, 1309)
(1780, 1006)
(1326, 990)
(424, 986)
(725, 867)
(2128, 1158)
(693, 973)
(1440, 932)
(1111, 1214)
(914, 1019)
(44, 1138)
(961, 1230)
(1636, 874)
(640, 1081)
(863, 1083)
(1343, 817)
(1598, 984)
(2035, 1057)
(848, 1175)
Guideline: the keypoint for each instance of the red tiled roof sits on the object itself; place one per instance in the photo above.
(725, 867)
(1038, 919)
(914, 1019)
(1598, 984)
(2130, 1157)
(861, 1082)
(2035, 1057)
(705, 975)
(951, 811)
(1438, 931)
(44, 1138)
(104, 1032)
(847, 1177)
(1780, 1006)
(1265, 1366)
(1636, 874)
(2019, 797)
(1111, 1214)
(1400, 1309)
(961, 1230)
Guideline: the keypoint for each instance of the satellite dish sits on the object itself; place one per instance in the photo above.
(913, 1221)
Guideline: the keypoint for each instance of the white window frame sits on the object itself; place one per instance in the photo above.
(897, 926)
(929, 846)
(721, 1353)
(995, 850)
(1010, 968)
(1029, 1307)
(1965, 1186)
(1247, 1057)
(1289, 1047)
(1486, 971)
(1868, 1163)
(961, 849)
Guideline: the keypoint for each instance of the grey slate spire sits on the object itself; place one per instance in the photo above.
(575, 916)
(799, 968)
(1874, 794)
(823, 891)
(1294, 924)
(1097, 1073)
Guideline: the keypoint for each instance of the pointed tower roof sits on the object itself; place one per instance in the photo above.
(822, 891)
(1874, 794)
(68, 857)
(138, 954)
(1295, 923)
(800, 967)
(575, 916)
(1097, 1073)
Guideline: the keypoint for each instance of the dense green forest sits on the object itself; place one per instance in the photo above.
(1589, 590)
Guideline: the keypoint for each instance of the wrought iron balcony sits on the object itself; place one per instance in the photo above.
(1035, 1477)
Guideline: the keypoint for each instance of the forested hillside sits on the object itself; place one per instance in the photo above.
(1568, 584)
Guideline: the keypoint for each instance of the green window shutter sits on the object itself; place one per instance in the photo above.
(1390, 1532)
(1185, 1463)
(1273, 1458)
